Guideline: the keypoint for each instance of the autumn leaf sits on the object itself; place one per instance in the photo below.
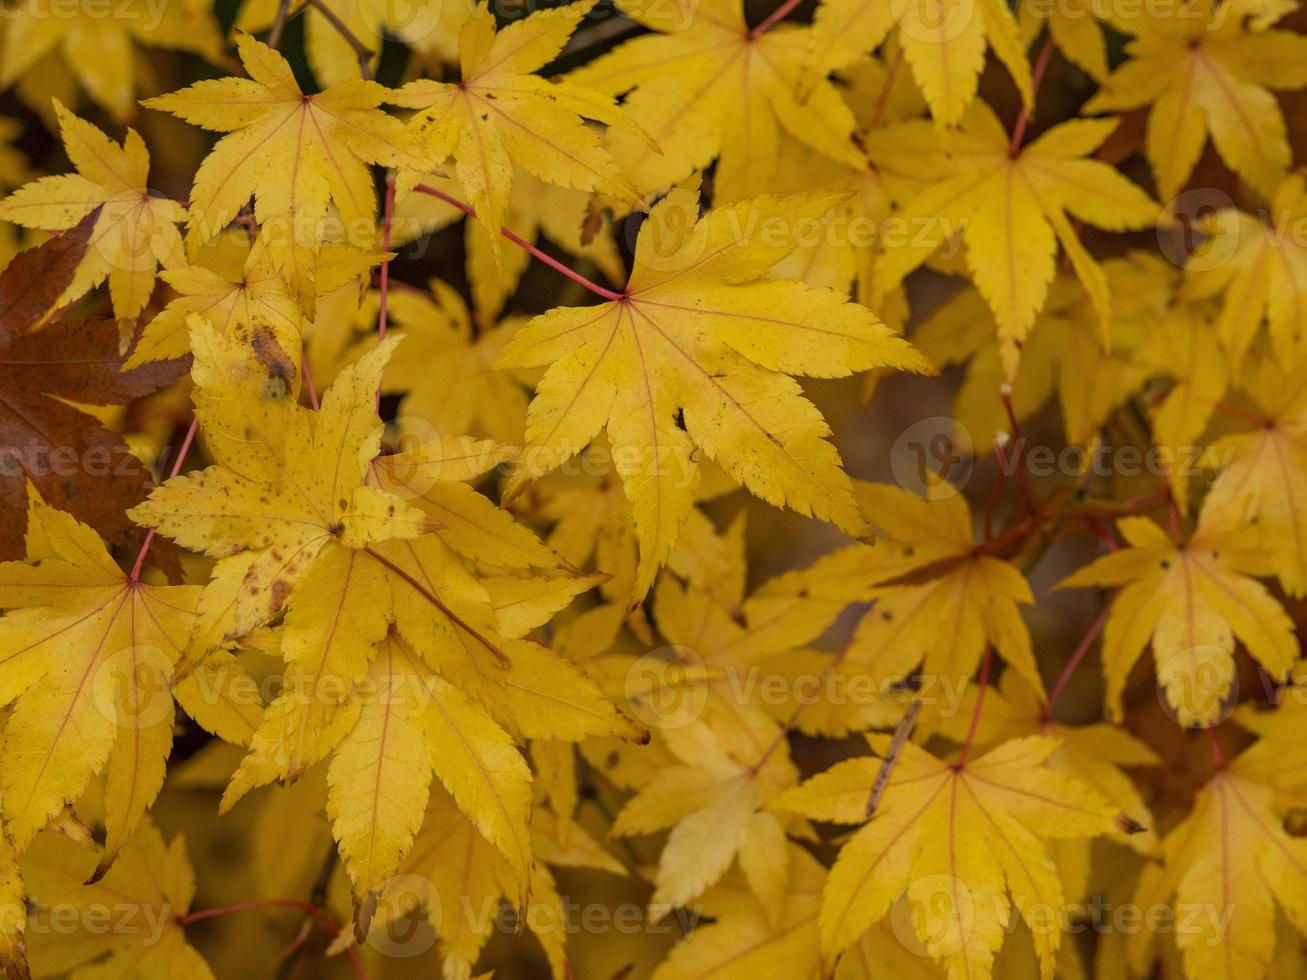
(1200, 72)
(939, 598)
(695, 355)
(134, 231)
(968, 842)
(295, 154)
(1191, 599)
(87, 662)
(1261, 477)
(1256, 265)
(1237, 888)
(73, 462)
(153, 883)
(1014, 204)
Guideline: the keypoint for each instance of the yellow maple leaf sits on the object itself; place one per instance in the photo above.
(1207, 68)
(1262, 478)
(1231, 861)
(1191, 598)
(939, 599)
(960, 838)
(446, 375)
(254, 305)
(696, 355)
(87, 657)
(149, 890)
(746, 939)
(500, 112)
(1257, 262)
(713, 801)
(295, 154)
(134, 231)
(708, 88)
(454, 880)
(1014, 206)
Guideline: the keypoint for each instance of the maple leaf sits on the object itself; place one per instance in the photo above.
(295, 154)
(960, 838)
(1238, 887)
(153, 882)
(75, 464)
(1191, 598)
(87, 660)
(97, 48)
(709, 88)
(696, 353)
(134, 232)
(453, 875)
(939, 598)
(500, 113)
(1263, 472)
(1014, 206)
(1203, 72)
(410, 723)
(943, 42)
(1095, 754)
(713, 799)
(1257, 268)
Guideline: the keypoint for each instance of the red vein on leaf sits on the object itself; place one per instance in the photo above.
(135, 575)
(520, 242)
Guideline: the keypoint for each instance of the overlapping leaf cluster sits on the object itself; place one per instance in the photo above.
(547, 569)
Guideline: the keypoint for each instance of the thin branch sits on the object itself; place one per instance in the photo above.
(774, 18)
(383, 288)
(361, 51)
(1064, 677)
(185, 447)
(980, 700)
(517, 240)
(1036, 77)
(308, 379)
(278, 24)
(882, 100)
(321, 914)
(902, 732)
